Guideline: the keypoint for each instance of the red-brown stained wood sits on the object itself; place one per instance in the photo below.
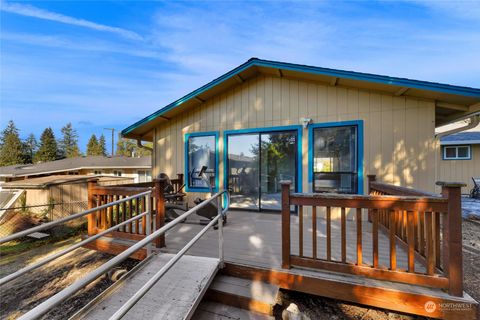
(329, 233)
(421, 233)
(144, 220)
(300, 231)
(411, 240)
(131, 212)
(452, 239)
(359, 237)
(137, 212)
(375, 238)
(286, 225)
(160, 209)
(436, 234)
(344, 235)
(314, 232)
(92, 218)
(430, 252)
(124, 214)
(393, 245)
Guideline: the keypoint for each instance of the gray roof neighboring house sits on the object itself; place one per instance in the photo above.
(78, 163)
(472, 137)
(44, 182)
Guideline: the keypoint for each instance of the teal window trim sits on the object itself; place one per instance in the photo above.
(360, 141)
(201, 134)
(298, 129)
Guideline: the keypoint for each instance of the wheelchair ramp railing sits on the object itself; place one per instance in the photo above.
(150, 237)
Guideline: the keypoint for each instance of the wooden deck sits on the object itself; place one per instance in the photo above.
(255, 239)
(252, 248)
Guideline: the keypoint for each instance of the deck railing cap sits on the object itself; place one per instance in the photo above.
(285, 182)
(450, 184)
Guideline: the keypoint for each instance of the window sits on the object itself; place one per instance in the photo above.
(97, 172)
(456, 153)
(117, 173)
(201, 150)
(144, 176)
(335, 159)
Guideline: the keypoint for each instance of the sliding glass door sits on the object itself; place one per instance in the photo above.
(256, 164)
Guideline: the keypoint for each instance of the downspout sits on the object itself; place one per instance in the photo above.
(474, 121)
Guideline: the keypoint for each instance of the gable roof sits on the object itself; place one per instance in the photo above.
(469, 137)
(458, 97)
(77, 163)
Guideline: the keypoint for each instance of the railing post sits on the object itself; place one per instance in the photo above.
(91, 218)
(370, 178)
(285, 224)
(220, 232)
(159, 187)
(148, 219)
(452, 237)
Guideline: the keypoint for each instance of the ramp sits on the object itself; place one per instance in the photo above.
(175, 296)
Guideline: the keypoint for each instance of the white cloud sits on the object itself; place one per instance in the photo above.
(34, 12)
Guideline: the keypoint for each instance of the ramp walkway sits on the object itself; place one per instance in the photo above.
(175, 296)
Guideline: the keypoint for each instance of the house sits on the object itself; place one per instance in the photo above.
(323, 129)
(460, 158)
(139, 169)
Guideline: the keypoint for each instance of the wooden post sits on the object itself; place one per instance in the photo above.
(285, 224)
(159, 187)
(452, 237)
(370, 178)
(92, 217)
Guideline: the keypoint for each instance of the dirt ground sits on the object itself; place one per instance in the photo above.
(28, 291)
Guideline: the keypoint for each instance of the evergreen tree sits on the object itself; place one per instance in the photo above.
(102, 146)
(11, 146)
(48, 150)
(68, 145)
(92, 146)
(30, 146)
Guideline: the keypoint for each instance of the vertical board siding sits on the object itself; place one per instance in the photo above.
(398, 139)
(459, 170)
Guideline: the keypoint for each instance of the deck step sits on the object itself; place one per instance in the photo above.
(246, 294)
(174, 297)
(209, 310)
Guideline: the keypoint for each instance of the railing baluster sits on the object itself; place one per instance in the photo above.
(436, 230)
(393, 246)
(359, 236)
(314, 232)
(411, 240)
(300, 231)
(137, 211)
(144, 221)
(329, 233)
(344, 235)
(430, 245)
(124, 214)
(421, 233)
(130, 214)
(375, 237)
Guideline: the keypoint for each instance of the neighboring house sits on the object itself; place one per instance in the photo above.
(57, 195)
(460, 158)
(139, 169)
(323, 129)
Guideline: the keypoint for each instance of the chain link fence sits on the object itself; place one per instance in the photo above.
(21, 216)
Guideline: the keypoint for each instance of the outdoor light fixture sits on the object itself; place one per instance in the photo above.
(305, 122)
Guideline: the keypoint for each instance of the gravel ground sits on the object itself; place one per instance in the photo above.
(26, 292)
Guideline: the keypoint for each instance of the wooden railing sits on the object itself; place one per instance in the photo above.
(106, 218)
(440, 240)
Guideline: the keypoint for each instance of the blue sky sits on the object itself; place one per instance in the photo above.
(108, 64)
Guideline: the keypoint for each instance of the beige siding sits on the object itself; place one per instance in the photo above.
(460, 170)
(399, 141)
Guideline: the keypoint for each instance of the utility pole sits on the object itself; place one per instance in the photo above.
(113, 139)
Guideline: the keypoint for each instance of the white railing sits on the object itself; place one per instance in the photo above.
(61, 296)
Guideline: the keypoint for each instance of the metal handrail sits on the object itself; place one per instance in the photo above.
(28, 268)
(69, 218)
(58, 298)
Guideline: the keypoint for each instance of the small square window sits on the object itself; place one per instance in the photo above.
(456, 153)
